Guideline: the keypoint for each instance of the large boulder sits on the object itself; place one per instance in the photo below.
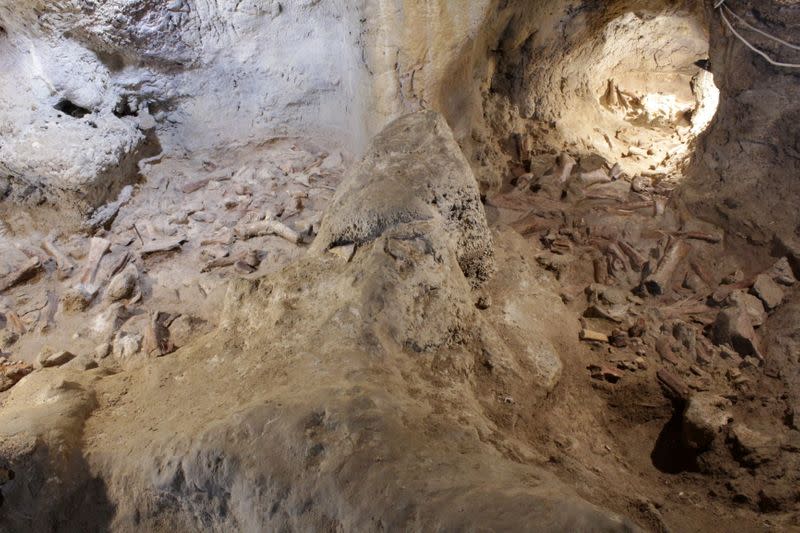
(412, 171)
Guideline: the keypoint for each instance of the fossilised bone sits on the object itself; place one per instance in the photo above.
(97, 249)
(564, 165)
(63, 262)
(162, 245)
(268, 226)
(21, 275)
(105, 214)
(658, 281)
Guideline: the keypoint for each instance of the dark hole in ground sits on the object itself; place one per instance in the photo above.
(670, 455)
(123, 109)
(70, 108)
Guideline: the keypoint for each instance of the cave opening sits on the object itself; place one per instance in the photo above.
(632, 87)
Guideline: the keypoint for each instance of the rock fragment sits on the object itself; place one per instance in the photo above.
(751, 304)
(82, 363)
(123, 285)
(781, 272)
(50, 359)
(126, 345)
(768, 290)
(24, 273)
(751, 448)
(11, 373)
(74, 299)
(734, 328)
(703, 419)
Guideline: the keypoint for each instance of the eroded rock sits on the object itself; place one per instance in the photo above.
(705, 416)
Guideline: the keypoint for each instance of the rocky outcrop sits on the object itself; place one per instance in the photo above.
(393, 186)
(337, 394)
(91, 89)
(744, 176)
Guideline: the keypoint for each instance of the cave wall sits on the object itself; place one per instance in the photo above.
(746, 173)
(199, 75)
(191, 75)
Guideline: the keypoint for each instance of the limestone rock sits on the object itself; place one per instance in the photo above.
(751, 304)
(733, 327)
(422, 174)
(49, 359)
(781, 272)
(750, 447)
(184, 329)
(11, 373)
(74, 300)
(705, 416)
(102, 350)
(768, 290)
(126, 345)
(123, 285)
(81, 362)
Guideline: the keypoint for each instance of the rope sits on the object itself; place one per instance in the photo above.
(724, 8)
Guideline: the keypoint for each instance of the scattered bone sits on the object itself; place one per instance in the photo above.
(269, 226)
(105, 214)
(700, 236)
(162, 245)
(616, 171)
(220, 262)
(63, 262)
(97, 249)
(194, 186)
(21, 275)
(658, 282)
(641, 184)
(637, 260)
(595, 177)
(564, 165)
(593, 336)
(636, 151)
(674, 385)
(659, 206)
(606, 373)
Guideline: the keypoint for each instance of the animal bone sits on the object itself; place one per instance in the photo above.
(23, 274)
(105, 214)
(162, 245)
(97, 249)
(269, 226)
(658, 281)
(64, 263)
